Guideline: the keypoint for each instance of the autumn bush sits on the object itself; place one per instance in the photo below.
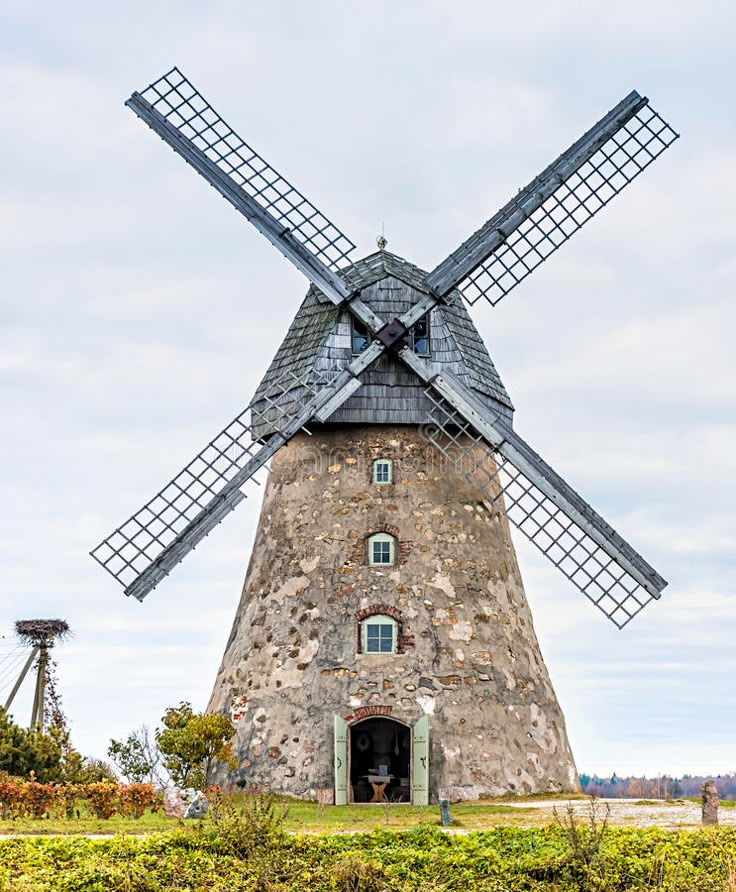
(38, 799)
(11, 794)
(21, 798)
(134, 799)
(102, 799)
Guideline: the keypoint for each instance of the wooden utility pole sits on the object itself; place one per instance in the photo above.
(39, 698)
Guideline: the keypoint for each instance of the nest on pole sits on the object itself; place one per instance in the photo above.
(42, 632)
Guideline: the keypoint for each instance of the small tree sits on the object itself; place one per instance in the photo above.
(193, 743)
(23, 751)
(137, 757)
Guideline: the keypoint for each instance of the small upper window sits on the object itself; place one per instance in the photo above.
(420, 337)
(381, 550)
(379, 635)
(361, 337)
(383, 471)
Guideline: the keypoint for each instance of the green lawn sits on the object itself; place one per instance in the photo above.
(305, 817)
(310, 817)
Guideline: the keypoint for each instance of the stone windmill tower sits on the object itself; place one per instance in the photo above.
(383, 646)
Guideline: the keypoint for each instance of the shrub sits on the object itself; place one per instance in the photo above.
(352, 874)
(136, 798)
(253, 830)
(11, 796)
(102, 799)
(28, 798)
(37, 798)
(506, 859)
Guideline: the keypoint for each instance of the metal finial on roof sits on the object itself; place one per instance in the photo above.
(381, 242)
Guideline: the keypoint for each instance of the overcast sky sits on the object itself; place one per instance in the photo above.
(139, 312)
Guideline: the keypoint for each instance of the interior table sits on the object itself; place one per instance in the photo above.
(379, 782)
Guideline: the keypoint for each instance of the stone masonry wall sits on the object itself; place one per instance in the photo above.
(468, 656)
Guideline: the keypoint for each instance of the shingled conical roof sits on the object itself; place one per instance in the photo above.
(318, 344)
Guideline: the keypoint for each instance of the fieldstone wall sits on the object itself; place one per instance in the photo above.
(468, 656)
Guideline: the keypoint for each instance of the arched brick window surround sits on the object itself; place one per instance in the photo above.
(403, 639)
(401, 551)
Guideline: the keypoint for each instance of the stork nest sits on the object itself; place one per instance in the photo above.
(42, 631)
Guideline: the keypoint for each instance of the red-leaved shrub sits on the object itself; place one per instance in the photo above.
(38, 798)
(11, 797)
(136, 798)
(102, 799)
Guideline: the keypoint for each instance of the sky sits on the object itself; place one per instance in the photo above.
(138, 312)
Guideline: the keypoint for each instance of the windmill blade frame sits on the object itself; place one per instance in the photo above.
(543, 506)
(143, 550)
(157, 537)
(556, 204)
(182, 117)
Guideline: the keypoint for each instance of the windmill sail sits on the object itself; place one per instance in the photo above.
(590, 553)
(182, 117)
(143, 550)
(154, 539)
(556, 204)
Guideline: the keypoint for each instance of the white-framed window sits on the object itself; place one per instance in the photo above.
(381, 550)
(383, 470)
(379, 635)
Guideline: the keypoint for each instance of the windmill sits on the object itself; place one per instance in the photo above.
(383, 594)
(40, 635)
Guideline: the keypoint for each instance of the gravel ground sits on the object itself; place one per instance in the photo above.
(632, 812)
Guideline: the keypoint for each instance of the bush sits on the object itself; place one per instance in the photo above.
(11, 796)
(506, 859)
(102, 799)
(253, 829)
(136, 798)
(352, 874)
(28, 798)
(38, 799)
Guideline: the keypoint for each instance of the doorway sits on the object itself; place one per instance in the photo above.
(380, 761)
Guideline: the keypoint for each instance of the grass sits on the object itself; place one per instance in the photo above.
(310, 817)
(303, 817)
(540, 797)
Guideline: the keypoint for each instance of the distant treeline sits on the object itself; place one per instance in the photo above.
(663, 787)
